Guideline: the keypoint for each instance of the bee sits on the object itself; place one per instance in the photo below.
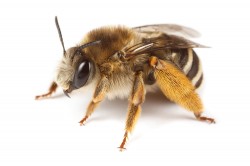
(117, 61)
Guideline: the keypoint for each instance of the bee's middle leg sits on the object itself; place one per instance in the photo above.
(100, 92)
(134, 109)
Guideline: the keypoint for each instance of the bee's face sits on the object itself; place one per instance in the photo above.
(74, 70)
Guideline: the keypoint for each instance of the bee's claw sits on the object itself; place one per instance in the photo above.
(122, 148)
(210, 120)
(83, 120)
(82, 124)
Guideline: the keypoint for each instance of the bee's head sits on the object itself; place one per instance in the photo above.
(76, 69)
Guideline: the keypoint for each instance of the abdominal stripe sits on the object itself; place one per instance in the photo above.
(188, 61)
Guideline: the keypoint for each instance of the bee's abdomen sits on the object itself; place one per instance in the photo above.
(188, 61)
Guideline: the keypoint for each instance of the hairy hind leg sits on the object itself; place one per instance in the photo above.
(177, 87)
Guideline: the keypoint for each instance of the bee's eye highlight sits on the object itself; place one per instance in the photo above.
(82, 74)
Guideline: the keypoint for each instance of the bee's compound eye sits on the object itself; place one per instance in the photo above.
(82, 74)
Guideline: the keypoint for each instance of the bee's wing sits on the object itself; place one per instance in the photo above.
(161, 42)
(170, 29)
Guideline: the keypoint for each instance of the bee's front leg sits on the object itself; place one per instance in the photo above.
(100, 92)
(134, 109)
(52, 89)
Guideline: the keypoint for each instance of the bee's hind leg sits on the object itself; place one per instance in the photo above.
(177, 87)
(52, 89)
(134, 109)
(203, 118)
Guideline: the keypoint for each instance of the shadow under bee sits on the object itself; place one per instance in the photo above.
(157, 109)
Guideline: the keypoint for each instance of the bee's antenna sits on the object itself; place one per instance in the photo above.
(60, 34)
(90, 44)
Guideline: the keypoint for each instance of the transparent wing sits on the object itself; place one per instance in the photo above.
(170, 29)
(162, 42)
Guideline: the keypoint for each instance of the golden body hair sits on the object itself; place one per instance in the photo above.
(113, 39)
(127, 62)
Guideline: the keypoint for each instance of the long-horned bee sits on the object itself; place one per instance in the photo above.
(128, 62)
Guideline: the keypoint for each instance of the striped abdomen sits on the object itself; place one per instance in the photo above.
(188, 61)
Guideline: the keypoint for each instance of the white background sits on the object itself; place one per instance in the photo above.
(47, 132)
